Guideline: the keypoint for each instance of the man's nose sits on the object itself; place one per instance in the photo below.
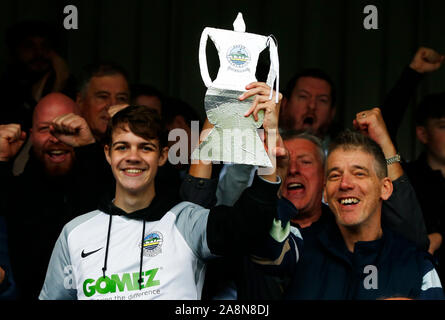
(294, 167)
(312, 103)
(53, 139)
(133, 155)
(346, 182)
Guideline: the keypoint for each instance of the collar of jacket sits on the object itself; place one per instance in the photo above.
(365, 252)
(160, 205)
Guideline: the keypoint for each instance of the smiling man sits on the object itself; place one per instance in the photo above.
(39, 202)
(355, 256)
(141, 244)
(356, 186)
(56, 157)
(102, 86)
(302, 192)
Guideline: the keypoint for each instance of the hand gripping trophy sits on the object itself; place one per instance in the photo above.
(234, 138)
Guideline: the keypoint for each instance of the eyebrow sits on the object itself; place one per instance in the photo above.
(361, 168)
(332, 169)
(139, 144)
(305, 155)
(101, 92)
(307, 92)
(354, 167)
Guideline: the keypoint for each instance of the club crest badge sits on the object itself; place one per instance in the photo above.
(238, 56)
(152, 244)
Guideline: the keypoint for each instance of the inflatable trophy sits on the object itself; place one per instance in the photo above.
(234, 138)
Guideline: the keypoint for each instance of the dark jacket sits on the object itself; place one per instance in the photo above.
(429, 186)
(249, 281)
(388, 267)
(36, 207)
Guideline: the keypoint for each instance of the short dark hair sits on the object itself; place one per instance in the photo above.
(349, 140)
(99, 70)
(432, 106)
(142, 121)
(313, 73)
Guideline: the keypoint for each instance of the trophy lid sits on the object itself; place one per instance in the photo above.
(238, 24)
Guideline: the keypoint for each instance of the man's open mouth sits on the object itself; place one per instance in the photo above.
(309, 121)
(295, 186)
(57, 155)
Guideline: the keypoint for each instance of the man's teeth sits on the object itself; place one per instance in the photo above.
(133, 170)
(349, 201)
(295, 186)
(57, 152)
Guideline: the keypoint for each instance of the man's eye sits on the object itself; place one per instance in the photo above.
(333, 176)
(148, 148)
(43, 129)
(122, 99)
(120, 148)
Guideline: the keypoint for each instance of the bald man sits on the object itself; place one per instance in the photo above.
(50, 192)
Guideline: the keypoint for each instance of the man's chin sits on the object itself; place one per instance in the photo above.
(58, 169)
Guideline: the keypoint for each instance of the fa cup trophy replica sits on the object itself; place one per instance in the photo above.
(234, 138)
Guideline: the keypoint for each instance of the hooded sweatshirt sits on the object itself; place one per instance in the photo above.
(158, 252)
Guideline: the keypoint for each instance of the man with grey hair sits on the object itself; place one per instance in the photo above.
(102, 86)
(302, 194)
(355, 257)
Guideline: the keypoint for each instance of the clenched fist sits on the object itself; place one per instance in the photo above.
(11, 140)
(72, 130)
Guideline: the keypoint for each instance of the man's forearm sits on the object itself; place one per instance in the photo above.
(238, 229)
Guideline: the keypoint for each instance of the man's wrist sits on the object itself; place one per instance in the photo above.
(394, 159)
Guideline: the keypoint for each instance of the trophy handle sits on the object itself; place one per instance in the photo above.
(203, 58)
(274, 71)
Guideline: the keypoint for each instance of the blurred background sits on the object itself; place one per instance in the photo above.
(157, 42)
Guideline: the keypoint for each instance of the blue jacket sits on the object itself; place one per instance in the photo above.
(321, 266)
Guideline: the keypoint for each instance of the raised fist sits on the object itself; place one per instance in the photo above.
(72, 130)
(11, 140)
(426, 60)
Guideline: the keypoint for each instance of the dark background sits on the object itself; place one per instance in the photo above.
(158, 41)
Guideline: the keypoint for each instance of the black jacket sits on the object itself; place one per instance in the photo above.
(36, 207)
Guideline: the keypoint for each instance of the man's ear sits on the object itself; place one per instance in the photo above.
(107, 153)
(387, 188)
(163, 156)
(421, 134)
